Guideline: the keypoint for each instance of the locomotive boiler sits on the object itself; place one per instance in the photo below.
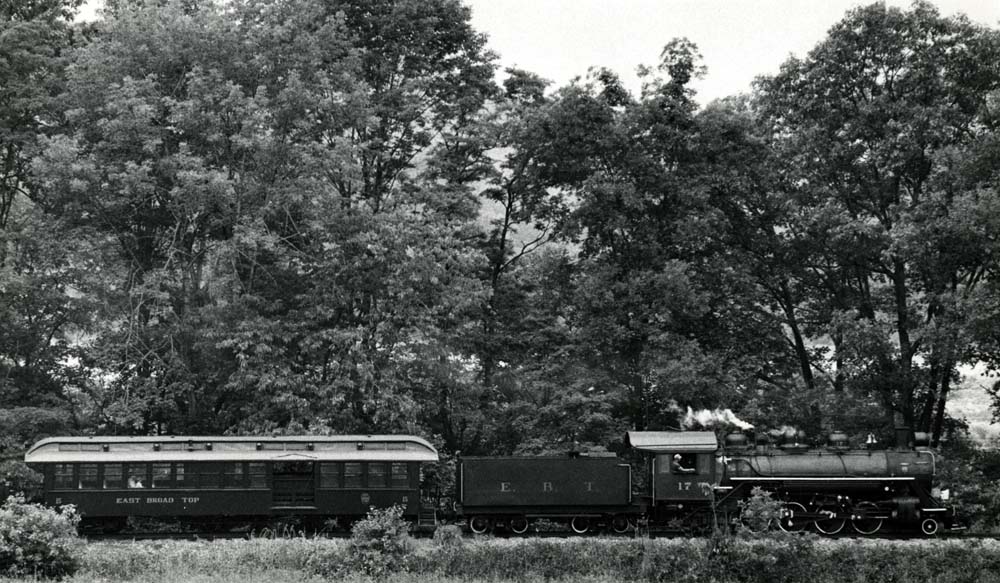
(825, 488)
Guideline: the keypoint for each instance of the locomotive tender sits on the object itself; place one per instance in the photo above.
(692, 481)
(215, 479)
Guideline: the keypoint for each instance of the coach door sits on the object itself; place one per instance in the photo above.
(294, 484)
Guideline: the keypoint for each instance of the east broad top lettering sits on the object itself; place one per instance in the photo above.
(155, 500)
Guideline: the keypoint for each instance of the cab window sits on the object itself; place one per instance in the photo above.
(683, 463)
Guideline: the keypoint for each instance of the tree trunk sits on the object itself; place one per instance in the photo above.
(904, 403)
(942, 401)
(801, 353)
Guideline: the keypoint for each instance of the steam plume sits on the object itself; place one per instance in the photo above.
(709, 418)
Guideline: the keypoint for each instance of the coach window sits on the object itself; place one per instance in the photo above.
(161, 475)
(258, 475)
(137, 475)
(352, 475)
(181, 477)
(209, 475)
(400, 475)
(377, 475)
(63, 479)
(112, 476)
(233, 473)
(88, 477)
(329, 475)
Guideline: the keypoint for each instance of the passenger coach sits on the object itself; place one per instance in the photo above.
(110, 479)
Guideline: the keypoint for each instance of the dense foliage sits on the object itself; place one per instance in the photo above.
(379, 542)
(36, 541)
(327, 216)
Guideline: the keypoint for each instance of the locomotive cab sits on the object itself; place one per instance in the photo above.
(683, 475)
(683, 471)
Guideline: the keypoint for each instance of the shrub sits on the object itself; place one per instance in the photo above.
(37, 541)
(380, 542)
(448, 536)
(760, 512)
(19, 478)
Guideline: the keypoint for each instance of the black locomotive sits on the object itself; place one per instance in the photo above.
(693, 483)
(212, 480)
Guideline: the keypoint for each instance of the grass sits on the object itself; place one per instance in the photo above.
(587, 560)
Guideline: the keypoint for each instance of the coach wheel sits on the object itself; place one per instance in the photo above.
(929, 526)
(791, 517)
(580, 524)
(519, 525)
(480, 524)
(830, 526)
(620, 524)
(862, 524)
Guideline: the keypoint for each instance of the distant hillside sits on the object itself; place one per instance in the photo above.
(972, 403)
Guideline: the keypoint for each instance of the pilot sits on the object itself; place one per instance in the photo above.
(678, 468)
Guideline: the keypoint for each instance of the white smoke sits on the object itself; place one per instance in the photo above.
(786, 431)
(709, 418)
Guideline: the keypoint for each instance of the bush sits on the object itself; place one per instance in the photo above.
(380, 542)
(19, 478)
(448, 536)
(37, 541)
(760, 512)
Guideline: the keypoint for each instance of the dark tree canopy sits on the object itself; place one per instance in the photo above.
(336, 215)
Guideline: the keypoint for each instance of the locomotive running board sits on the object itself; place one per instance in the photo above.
(824, 479)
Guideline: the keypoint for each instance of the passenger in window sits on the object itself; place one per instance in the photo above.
(678, 466)
(134, 481)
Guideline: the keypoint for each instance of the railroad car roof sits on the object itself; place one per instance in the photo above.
(399, 448)
(672, 441)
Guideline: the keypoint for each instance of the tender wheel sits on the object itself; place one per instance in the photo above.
(519, 525)
(480, 524)
(862, 524)
(929, 526)
(791, 520)
(580, 524)
(620, 524)
(830, 526)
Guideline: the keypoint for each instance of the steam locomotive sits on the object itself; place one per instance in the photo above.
(694, 483)
(689, 482)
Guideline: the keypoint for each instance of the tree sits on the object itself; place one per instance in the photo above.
(868, 117)
(654, 320)
(290, 256)
(42, 308)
